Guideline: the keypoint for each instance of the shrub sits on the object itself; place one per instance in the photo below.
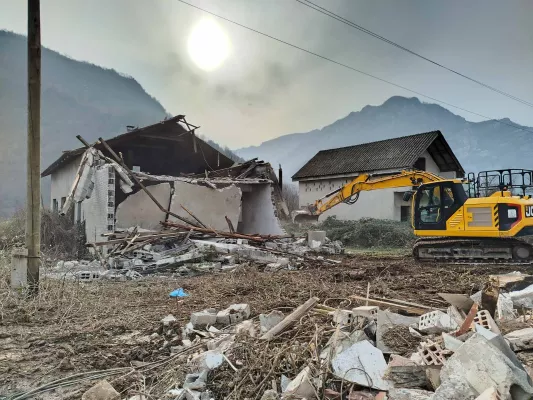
(369, 232)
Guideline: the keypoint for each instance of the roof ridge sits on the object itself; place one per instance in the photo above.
(380, 141)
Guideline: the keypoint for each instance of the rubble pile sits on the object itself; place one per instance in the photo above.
(394, 350)
(183, 251)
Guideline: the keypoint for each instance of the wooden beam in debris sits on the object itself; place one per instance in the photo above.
(212, 231)
(290, 319)
(392, 305)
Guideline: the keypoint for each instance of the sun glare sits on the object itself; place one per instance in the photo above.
(208, 45)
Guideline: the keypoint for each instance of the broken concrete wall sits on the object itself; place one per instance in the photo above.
(258, 211)
(139, 210)
(209, 205)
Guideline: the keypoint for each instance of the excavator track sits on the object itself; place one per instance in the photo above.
(473, 250)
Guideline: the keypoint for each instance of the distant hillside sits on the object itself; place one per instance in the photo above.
(478, 145)
(77, 98)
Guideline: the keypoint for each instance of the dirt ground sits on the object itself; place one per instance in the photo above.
(71, 328)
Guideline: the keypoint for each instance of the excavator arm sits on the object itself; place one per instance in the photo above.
(364, 182)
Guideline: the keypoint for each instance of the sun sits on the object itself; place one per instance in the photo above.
(208, 45)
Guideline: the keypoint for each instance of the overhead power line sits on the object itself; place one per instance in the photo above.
(352, 68)
(331, 14)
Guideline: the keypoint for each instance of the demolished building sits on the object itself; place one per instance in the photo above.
(163, 173)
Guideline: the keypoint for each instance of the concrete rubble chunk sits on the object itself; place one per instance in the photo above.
(169, 320)
(268, 321)
(407, 376)
(362, 364)
(490, 394)
(201, 319)
(436, 322)
(410, 394)
(521, 339)
(461, 301)
(101, 391)
(242, 251)
(197, 381)
(457, 315)
(476, 366)
(246, 327)
(233, 314)
(451, 342)
(505, 307)
(301, 386)
(270, 395)
(501, 344)
(222, 342)
(344, 317)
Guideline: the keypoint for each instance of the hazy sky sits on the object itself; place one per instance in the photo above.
(265, 89)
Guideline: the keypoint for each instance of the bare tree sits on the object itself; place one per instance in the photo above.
(290, 195)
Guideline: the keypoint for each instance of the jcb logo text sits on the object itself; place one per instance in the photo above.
(529, 211)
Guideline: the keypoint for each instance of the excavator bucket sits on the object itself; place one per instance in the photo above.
(304, 216)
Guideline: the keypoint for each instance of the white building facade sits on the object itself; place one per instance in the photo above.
(331, 169)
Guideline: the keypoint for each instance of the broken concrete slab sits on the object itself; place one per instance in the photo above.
(477, 366)
(409, 394)
(490, 394)
(451, 342)
(268, 321)
(139, 210)
(245, 251)
(436, 322)
(363, 364)
(461, 301)
(246, 327)
(103, 390)
(387, 320)
(211, 206)
(521, 339)
(209, 360)
(340, 341)
(501, 344)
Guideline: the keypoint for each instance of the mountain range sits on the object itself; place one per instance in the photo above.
(479, 146)
(77, 98)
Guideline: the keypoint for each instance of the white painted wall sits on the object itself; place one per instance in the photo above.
(382, 204)
(258, 211)
(62, 179)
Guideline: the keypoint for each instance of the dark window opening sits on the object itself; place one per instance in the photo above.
(405, 213)
(420, 164)
(78, 213)
(55, 207)
(63, 201)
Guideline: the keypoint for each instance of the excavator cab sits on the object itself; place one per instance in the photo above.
(434, 203)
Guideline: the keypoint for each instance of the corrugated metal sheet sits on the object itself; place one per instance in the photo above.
(401, 152)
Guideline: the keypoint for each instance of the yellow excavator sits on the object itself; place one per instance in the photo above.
(477, 219)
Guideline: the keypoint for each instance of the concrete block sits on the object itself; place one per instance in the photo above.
(211, 206)
(233, 314)
(477, 366)
(370, 312)
(521, 339)
(19, 268)
(301, 386)
(432, 353)
(268, 321)
(139, 210)
(436, 322)
(210, 360)
(315, 239)
(101, 391)
(362, 364)
(201, 319)
(484, 319)
(344, 317)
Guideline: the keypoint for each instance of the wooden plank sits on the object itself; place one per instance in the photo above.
(290, 319)
(468, 321)
(407, 303)
(410, 309)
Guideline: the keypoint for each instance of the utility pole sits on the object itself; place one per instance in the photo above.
(33, 195)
